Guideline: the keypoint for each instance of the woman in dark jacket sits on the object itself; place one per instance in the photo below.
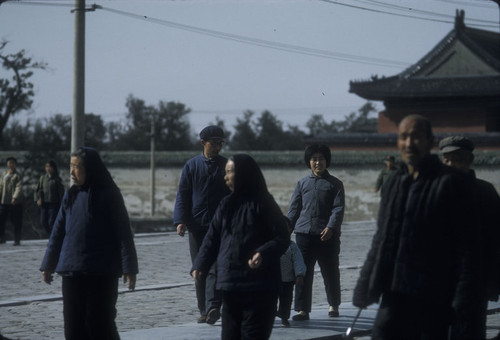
(48, 195)
(91, 246)
(246, 237)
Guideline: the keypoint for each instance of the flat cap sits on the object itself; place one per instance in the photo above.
(454, 143)
(211, 131)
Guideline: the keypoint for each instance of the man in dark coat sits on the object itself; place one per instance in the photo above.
(420, 262)
(201, 188)
(457, 153)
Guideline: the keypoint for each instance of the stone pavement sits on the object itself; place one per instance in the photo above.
(163, 306)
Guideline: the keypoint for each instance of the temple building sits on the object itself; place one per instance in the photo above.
(456, 85)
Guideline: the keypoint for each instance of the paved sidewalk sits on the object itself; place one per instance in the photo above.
(164, 304)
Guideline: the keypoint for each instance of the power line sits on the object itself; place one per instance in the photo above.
(414, 10)
(482, 4)
(374, 10)
(262, 42)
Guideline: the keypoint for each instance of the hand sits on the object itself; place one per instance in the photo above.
(326, 234)
(299, 280)
(196, 274)
(181, 229)
(13, 201)
(39, 202)
(47, 277)
(255, 261)
(131, 279)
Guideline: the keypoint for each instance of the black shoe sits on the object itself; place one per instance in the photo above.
(333, 312)
(212, 316)
(202, 319)
(285, 322)
(302, 316)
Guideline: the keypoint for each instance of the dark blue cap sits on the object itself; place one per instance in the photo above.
(211, 131)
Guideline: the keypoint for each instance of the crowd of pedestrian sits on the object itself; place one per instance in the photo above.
(432, 267)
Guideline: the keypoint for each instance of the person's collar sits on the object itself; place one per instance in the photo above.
(323, 175)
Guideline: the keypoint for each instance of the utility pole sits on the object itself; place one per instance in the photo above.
(152, 165)
(78, 117)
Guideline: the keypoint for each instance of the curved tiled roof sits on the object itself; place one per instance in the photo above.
(414, 81)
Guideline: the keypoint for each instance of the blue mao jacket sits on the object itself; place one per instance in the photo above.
(201, 188)
(96, 243)
(316, 203)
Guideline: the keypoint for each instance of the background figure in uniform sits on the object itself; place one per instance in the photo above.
(384, 173)
(48, 195)
(316, 212)
(293, 270)
(420, 262)
(457, 152)
(201, 188)
(246, 239)
(91, 246)
(11, 201)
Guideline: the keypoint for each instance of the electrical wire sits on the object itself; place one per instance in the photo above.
(414, 10)
(477, 3)
(374, 10)
(262, 42)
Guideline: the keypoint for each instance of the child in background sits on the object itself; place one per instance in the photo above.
(293, 270)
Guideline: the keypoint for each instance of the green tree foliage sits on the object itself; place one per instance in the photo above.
(172, 128)
(354, 122)
(245, 137)
(266, 133)
(95, 131)
(16, 92)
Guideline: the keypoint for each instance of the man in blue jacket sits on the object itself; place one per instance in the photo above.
(201, 188)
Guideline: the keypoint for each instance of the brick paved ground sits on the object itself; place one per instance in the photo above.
(165, 295)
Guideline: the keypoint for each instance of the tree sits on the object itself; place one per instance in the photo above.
(16, 92)
(172, 128)
(359, 122)
(95, 131)
(244, 138)
(354, 122)
(265, 134)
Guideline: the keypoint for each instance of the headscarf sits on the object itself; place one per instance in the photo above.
(98, 177)
(248, 178)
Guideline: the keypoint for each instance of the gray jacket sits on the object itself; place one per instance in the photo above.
(316, 203)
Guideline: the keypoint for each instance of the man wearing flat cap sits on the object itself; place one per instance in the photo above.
(456, 152)
(201, 188)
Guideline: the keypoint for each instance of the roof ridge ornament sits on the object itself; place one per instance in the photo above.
(460, 19)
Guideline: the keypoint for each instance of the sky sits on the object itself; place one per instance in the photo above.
(220, 58)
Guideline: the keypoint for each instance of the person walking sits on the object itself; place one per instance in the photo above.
(11, 201)
(316, 212)
(246, 238)
(457, 152)
(385, 173)
(91, 246)
(48, 195)
(420, 262)
(201, 188)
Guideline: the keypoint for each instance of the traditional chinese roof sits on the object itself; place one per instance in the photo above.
(466, 62)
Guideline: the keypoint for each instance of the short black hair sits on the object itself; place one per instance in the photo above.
(317, 148)
(11, 159)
